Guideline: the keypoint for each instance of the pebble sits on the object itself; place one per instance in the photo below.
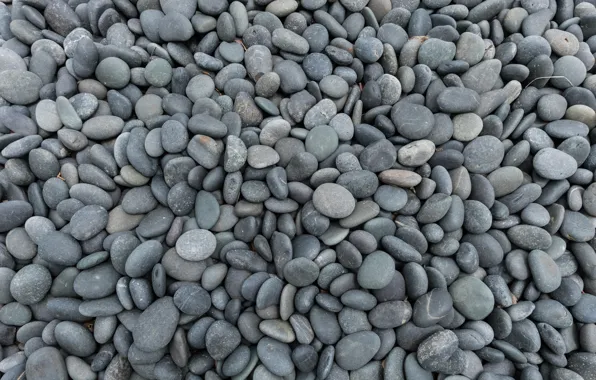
(162, 311)
(376, 271)
(19, 87)
(47, 117)
(333, 201)
(276, 356)
(196, 245)
(433, 52)
(413, 121)
(544, 164)
(46, 360)
(113, 72)
(545, 271)
(472, 298)
(355, 350)
(458, 100)
(483, 154)
(30, 284)
(353, 189)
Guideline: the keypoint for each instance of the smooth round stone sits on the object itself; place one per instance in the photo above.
(174, 136)
(148, 107)
(391, 198)
(59, 248)
(368, 49)
(231, 52)
(333, 201)
(103, 127)
(14, 214)
(470, 48)
(238, 361)
(175, 27)
(292, 77)
(554, 164)
(536, 215)
(273, 131)
(576, 227)
(261, 156)
(162, 312)
(200, 86)
(78, 368)
(44, 361)
(46, 116)
(562, 129)
(324, 323)
(458, 100)
(583, 363)
(472, 298)
(416, 153)
(185, 7)
(75, 338)
(279, 330)
(400, 178)
(276, 356)
(571, 70)
(321, 141)
(390, 88)
(432, 307)
(581, 113)
(529, 237)
(466, 126)
(30, 284)
(158, 72)
(6, 276)
(221, 339)
(97, 282)
(378, 156)
(583, 310)
(317, 66)
(490, 69)
(10, 60)
(477, 217)
(320, 114)
(505, 180)
(356, 350)
(436, 349)
(267, 85)
(376, 271)
(289, 41)
(192, 299)
(412, 121)
(562, 42)
(545, 272)
(88, 222)
(19, 87)
(334, 86)
(434, 52)
(301, 272)
(196, 245)
(434, 209)
(483, 154)
(113, 72)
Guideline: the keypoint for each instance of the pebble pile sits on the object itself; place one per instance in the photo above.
(297, 190)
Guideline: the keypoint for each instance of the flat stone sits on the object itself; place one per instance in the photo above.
(333, 201)
(196, 245)
(19, 87)
(472, 298)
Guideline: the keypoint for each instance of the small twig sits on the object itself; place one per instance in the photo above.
(238, 40)
(550, 77)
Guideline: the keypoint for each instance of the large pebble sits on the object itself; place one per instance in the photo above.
(472, 298)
